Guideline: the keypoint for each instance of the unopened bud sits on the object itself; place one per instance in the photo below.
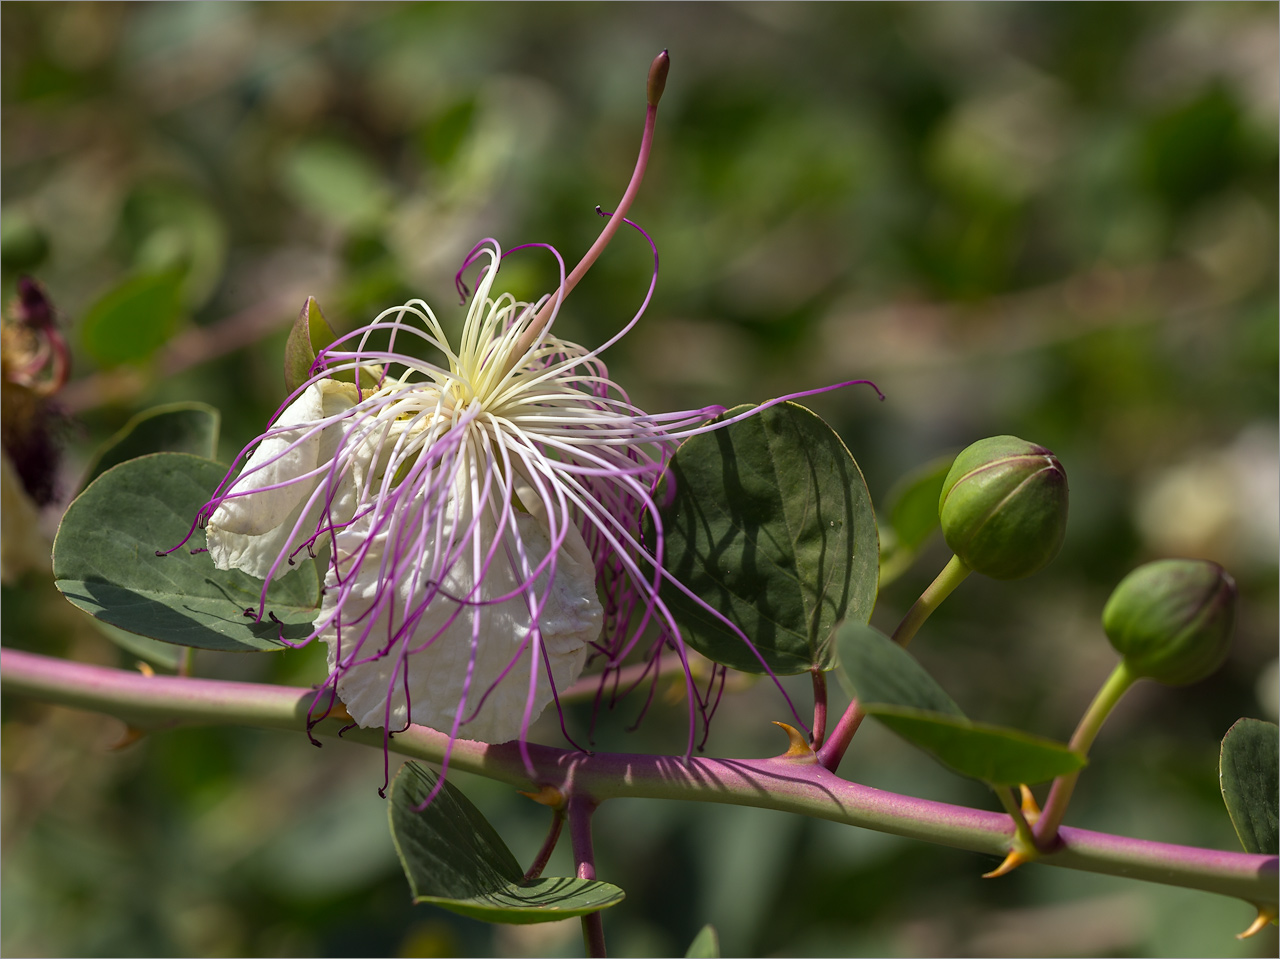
(1172, 620)
(658, 77)
(1004, 507)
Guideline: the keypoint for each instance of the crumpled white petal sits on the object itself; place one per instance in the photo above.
(571, 618)
(250, 531)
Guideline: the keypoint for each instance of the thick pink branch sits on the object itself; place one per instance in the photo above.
(787, 785)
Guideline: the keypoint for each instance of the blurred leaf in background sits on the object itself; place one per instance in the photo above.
(1049, 220)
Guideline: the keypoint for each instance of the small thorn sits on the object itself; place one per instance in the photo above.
(337, 711)
(1266, 915)
(1030, 808)
(547, 796)
(799, 744)
(131, 735)
(1011, 862)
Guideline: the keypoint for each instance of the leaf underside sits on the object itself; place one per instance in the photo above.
(453, 858)
(1250, 780)
(892, 686)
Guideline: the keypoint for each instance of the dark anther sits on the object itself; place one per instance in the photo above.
(34, 308)
(274, 618)
(346, 727)
(203, 549)
(250, 611)
(161, 553)
(291, 563)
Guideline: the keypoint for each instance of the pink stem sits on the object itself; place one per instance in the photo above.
(580, 810)
(808, 789)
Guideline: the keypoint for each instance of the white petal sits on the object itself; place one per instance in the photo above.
(571, 618)
(249, 532)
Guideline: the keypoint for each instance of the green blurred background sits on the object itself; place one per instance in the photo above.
(1052, 220)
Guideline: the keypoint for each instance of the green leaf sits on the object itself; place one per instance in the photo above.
(705, 945)
(1250, 783)
(912, 513)
(131, 321)
(172, 225)
(994, 754)
(881, 671)
(453, 858)
(174, 428)
(105, 562)
(770, 523)
(897, 690)
(311, 333)
(337, 183)
(165, 655)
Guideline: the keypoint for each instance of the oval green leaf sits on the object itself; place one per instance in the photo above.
(336, 183)
(454, 859)
(164, 656)
(994, 754)
(770, 523)
(131, 321)
(881, 671)
(173, 428)
(105, 562)
(911, 508)
(1247, 771)
(897, 690)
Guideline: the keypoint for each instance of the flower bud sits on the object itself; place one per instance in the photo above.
(1004, 507)
(1171, 620)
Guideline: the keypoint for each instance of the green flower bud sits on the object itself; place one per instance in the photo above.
(1171, 620)
(1004, 507)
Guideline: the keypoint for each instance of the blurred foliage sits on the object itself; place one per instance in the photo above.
(1051, 220)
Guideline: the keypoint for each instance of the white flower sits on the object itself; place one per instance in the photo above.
(286, 474)
(471, 504)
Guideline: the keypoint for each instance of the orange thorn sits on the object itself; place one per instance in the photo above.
(131, 735)
(1266, 915)
(547, 796)
(1030, 808)
(1011, 862)
(145, 669)
(799, 747)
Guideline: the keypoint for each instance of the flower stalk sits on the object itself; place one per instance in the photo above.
(952, 575)
(1055, 807)
(548, 846)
